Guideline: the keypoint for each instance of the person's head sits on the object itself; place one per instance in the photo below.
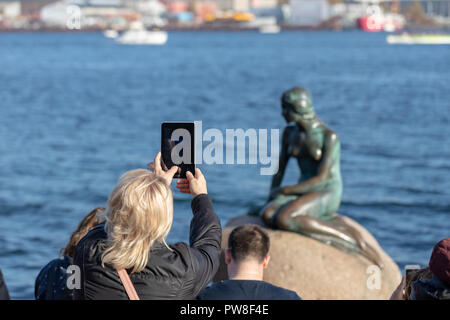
(89, 222)
(139, 213)
(297, 105)
(438, 266)
(440, 261)
(248, 251)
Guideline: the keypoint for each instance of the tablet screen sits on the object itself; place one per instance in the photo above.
(178, 146)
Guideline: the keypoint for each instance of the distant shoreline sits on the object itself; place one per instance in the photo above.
(211, 29)
(215, 29)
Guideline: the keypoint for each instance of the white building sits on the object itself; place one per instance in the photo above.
(241, 5)
(264, 4)
(248, 5)
(95, 3)
(308, 12)
(101, 13)
(55, 14)
(9, 10)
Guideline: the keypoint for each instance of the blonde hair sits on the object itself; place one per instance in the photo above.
(139, 213)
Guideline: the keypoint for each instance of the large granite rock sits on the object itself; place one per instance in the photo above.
(319, 271)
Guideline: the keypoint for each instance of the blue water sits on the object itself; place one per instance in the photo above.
(77, 110)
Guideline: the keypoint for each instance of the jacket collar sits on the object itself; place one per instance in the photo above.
(432, 289)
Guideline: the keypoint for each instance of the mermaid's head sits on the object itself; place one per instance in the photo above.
(297, 103)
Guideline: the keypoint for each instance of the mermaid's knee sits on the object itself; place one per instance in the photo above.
(267, 215)
(284, 222)
(266, 218)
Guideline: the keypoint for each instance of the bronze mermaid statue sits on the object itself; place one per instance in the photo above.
(310, 206)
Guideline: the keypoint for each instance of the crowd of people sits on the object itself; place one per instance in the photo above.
(121, 252)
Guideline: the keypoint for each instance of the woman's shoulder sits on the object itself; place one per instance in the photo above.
(51, 276)
(56, 265)
(179, 250)
(97, 233)
(175, 255)
(91, 241)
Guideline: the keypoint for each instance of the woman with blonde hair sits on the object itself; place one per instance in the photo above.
(127, 257)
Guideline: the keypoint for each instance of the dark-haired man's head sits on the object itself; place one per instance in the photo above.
(248, 253)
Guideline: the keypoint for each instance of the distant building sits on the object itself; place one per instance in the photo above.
(264, 4)
(308, 12)
(27, 7)
(177, 6)
(55, 14)
(10, 10)
(205, 10)
(224, 5)
(92, 13)
(96, 3)
(241, 5)
(151, 7)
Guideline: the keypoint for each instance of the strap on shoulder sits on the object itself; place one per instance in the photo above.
(128, 285)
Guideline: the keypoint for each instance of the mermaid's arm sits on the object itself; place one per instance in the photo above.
(282, 163)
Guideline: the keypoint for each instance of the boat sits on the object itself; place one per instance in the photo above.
(375, 20)
(138, 35)
(110, 34)
(406, 38)
(270, 29)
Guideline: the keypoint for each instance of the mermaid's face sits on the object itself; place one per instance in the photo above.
(297, 106)
(301, 112)
(288, 114)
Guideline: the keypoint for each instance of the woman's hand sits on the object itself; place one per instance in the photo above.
(193, 185)
(399, 293)
(156, 167)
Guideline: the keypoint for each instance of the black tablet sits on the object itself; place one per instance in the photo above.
(178, 147)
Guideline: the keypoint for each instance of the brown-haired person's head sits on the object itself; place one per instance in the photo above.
(248, 252)
(91, 220)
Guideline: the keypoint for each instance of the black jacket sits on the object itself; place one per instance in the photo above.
(4, 295)
(431, 289)
(246, 290)
(178, 274)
